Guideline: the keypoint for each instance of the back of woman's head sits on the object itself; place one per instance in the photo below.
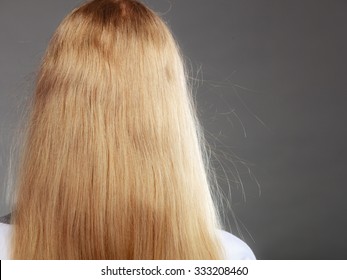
(113, 165)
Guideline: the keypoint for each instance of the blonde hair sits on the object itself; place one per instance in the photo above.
(114, 164)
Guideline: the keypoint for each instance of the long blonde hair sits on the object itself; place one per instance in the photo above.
(114, 164)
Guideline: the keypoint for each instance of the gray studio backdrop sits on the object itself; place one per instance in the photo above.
(270, 82)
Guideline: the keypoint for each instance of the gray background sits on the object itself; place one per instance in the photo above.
(270, 83)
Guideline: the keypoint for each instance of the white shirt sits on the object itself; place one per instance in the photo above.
(235, 248)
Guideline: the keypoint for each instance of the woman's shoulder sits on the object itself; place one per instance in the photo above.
(235, 248)
(5, 230)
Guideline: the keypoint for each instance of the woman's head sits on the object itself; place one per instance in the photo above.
(113, 165)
